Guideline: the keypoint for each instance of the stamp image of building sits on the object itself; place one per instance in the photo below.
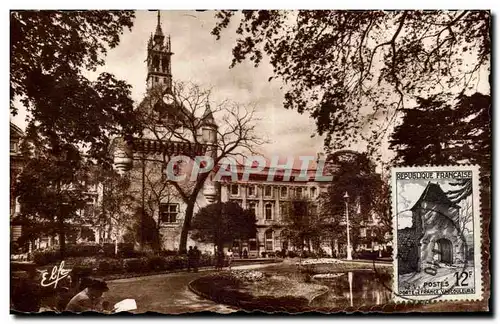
(435, 234)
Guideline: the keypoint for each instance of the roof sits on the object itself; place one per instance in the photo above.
(434, 193)
(15, 131)
(208, 117)
(154, 101)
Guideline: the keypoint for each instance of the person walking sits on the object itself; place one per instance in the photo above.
(220, 259)
(190, 255)
(196, 258)
(230, 256)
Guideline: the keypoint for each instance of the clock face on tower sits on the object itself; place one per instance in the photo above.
(168, 99)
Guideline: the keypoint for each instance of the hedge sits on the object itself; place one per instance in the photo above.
(51, 255)
(110, 266)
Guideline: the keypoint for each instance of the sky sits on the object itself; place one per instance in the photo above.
(200, 58)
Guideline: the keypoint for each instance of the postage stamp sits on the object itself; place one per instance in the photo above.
(437, 233)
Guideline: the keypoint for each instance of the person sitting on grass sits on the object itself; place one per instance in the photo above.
(90, 298)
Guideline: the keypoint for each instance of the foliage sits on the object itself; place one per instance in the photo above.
(439, 131)
(222, 223)
(302, 222)
(51, 255)
(51, 190)
(50, 54)
(368, 197)
(114, 210)
(143, 228)
(353, 70)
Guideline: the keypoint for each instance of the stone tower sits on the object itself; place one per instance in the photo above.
(159, 59)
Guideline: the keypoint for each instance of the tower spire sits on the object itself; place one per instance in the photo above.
(159, 32)
(159, 58)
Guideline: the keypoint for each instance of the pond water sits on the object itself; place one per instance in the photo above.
(364, 286)
(355, 289)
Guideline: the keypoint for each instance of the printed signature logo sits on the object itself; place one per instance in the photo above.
(58, 273)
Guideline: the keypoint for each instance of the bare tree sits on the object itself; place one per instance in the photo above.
(181, 121)
(465, 216)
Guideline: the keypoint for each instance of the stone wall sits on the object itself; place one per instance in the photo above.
(408, 250)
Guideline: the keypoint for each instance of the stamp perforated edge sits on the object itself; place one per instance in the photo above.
(478, 271)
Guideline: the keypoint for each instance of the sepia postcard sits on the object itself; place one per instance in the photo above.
(253, 161)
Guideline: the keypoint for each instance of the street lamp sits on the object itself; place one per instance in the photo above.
(346, 196)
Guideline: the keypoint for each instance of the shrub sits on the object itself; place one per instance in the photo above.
(157, 263)
(206, 260)
(367, 255)
(280, 254)
(321, 253)
(264, 254)
(166, 253)
(176, 262)
(45, 257)
(292, 254)
(136, 265)
(110, 266)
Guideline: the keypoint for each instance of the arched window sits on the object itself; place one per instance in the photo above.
(269, 211)
(156, 63)
(268, 191)
(313, 192)
(269, 240)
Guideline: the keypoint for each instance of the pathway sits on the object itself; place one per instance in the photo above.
(167, 293)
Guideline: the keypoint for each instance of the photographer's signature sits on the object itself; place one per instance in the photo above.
(58, 273)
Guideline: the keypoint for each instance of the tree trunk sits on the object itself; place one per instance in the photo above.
(62, 238)
(186, 226)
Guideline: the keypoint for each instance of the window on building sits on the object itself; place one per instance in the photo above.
(313, 192)
(235, 189)
(282, 210)
(268, 191)
(313, 210)
(298, 192)
(252, 190)
(253, 207)
(283, 192)
(88, 210)
(13, 146)
(168, 213)
(269, 240)
(252, 244)
(269, 211)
